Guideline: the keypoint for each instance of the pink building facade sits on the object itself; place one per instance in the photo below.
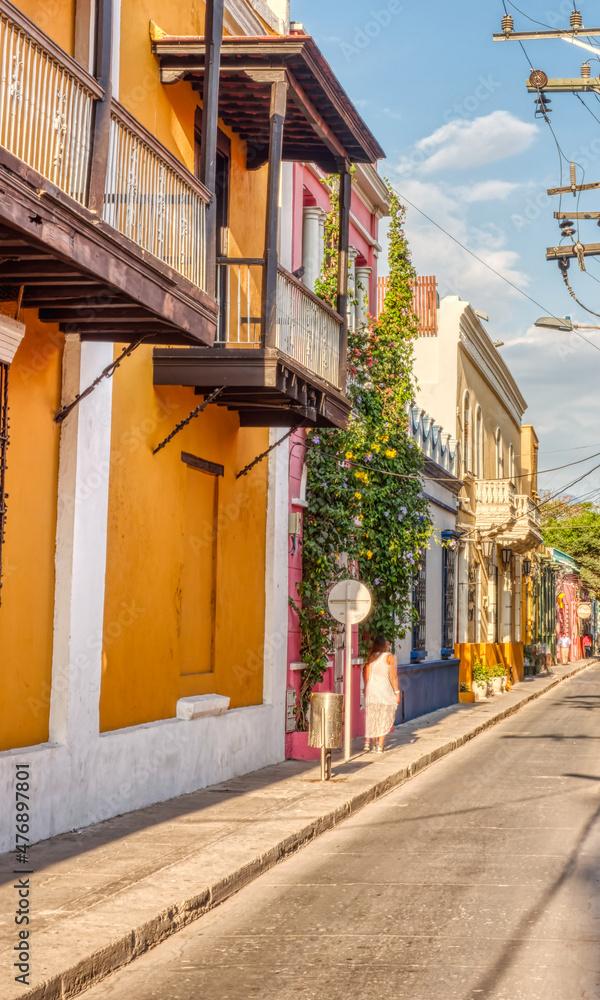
(310, 205)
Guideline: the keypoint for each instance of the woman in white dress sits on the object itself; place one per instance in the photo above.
(381, 693)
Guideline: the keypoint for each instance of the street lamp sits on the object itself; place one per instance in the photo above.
(554, 323)
(506, 557)
(487, 547)
(526, 567)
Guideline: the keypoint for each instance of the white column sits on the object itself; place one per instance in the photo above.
(506, 605)
(363, 306)
(312, 252)
(80, 561)
(276, 583)
(463, 594)
(517, 600)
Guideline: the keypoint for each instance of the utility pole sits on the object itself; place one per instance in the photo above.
(539, 83)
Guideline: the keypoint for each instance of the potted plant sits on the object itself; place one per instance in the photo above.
(465, 695)
(498, 678)
(482, 687)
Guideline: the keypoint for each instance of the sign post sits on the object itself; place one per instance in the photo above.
(349, 603)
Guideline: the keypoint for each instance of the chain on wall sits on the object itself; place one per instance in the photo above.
(3, 451)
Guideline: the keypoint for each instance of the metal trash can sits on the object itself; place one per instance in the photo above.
(325, 729)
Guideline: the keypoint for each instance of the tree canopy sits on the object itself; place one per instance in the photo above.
(573, 526)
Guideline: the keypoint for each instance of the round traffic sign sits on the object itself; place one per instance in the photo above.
(349, 601)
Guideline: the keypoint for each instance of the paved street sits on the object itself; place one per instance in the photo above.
(478, 879)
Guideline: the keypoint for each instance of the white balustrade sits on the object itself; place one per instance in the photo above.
(493, 491)
(307, 329)
(46, 107)
(153, 200)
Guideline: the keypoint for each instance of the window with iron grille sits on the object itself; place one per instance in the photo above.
(420, 604)
(448, 574)
(3, 450)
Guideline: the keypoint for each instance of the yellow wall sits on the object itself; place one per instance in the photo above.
(55, 17)
(529, 460)
(510, 654)
(161, 517)
(494, 414)
(26, 613)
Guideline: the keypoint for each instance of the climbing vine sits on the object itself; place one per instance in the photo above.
(367, 517)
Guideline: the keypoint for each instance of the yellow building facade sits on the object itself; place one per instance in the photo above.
(149, 366)
(461, 371)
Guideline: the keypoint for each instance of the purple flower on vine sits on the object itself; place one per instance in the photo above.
(376, 581)
(403, 509)
(386, 513)
(368, 458)
(316, 439)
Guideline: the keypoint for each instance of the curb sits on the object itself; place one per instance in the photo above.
(96, 967)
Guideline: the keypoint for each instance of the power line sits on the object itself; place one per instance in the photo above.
(489, 266)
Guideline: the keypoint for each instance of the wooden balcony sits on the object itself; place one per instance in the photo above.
(101, 228)
(295, 379)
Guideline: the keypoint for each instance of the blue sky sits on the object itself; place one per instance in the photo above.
(451, 110)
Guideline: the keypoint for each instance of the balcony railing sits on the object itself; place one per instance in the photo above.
(307, 329)
(526, 510)
(47, 110)
(46, 105)
(497, 492)
(153, 200)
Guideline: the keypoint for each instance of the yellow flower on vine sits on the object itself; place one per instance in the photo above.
(358, 496)
(385, 438)
(376, 447)
(369, 554)
(349, 455)
(391, 453)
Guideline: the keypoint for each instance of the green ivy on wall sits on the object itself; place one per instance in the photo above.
(366, 516)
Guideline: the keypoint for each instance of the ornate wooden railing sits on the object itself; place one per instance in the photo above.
(308, 330)
(46, 104)
(152, 199)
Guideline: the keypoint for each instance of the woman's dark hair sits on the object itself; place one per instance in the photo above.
(379, 644)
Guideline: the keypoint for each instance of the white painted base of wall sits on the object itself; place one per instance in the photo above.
(132, 768)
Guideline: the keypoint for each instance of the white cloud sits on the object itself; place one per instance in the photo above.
(461, 144)
(488, 191)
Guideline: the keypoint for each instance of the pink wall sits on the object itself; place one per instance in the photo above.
(308, 190)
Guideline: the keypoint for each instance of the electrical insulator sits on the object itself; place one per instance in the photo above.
(585, 69)
(576, 19)
(564, 264)
(565, 224)
(568, 232)
(573, 175)
(507, 24)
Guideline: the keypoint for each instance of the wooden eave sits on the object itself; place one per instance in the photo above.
(322, 125)
(266, 387)
(84, 275)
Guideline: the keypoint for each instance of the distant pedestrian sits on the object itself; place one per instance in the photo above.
(382, 693)
(587, 647)
(564, 645)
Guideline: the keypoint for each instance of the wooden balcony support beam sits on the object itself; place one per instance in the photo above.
(213, 32)
(277, 113)
(101, 129)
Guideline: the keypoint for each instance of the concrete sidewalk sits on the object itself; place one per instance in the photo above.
(103, 895)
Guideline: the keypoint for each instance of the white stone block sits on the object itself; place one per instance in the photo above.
(200, 706)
